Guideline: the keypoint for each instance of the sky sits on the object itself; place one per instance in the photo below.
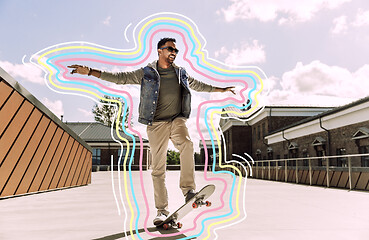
(313, 52)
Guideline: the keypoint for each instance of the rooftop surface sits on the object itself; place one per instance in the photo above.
(274, 211)
(97, 132)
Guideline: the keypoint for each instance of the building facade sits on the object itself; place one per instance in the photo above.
(247, 134)
(340, 131)
(107, 145)
(307, 145)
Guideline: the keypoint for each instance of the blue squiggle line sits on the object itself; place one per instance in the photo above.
(218, 172)
(123, 120)
(130, 59)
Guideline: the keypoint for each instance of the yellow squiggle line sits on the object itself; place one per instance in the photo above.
(218, 141)
(117, 122)
(239, 182)
(229, 166)
(92, 93)
(198, 51)
(124, 170)
(92, 48)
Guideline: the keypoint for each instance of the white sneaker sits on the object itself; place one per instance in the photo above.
(159, 218)
(189, 195)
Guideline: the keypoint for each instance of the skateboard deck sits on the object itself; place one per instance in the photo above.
(196, 201)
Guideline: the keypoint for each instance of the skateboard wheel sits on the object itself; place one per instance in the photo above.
(208, 204)
(166, 226)
(179, 225)
(194, 205)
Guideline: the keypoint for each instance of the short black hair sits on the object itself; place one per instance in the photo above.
(164, 40)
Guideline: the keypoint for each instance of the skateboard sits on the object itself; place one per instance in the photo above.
(196, 201)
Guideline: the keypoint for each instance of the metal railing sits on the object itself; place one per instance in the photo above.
(321, 163)
(262, 169)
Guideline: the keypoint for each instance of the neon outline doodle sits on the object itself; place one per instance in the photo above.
(53, 58)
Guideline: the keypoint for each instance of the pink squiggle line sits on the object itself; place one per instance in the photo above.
(202, 138)
(130, 114)
(109, 89)
(198, 126)
(114, 90)
(129, 120)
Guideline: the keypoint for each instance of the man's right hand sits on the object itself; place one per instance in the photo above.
(84, 70)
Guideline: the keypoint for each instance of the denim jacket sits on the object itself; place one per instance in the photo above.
(149, 79)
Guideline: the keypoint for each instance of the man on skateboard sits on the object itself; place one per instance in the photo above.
(165, 105)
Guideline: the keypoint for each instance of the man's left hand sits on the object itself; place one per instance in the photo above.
(226, 89)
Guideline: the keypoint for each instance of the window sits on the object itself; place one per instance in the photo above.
(270, 157)
(305, 162)
(285, 156)
(293, 154)
(341, 161)
(259, 132)
(263, 129)
(364, 159)
(320, 153)
(227, 142)
(258, 154)
(96, 156)
(124, 156)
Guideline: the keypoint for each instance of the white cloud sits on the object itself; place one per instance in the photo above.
(86, 113)
(222, 51)
(362, 18)
(340, 25)
(319, 84)
(245, 54)
(56, 107)
(27, 72)
(283, 10)
(107, 21)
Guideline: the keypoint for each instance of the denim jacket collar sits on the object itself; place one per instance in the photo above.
(154, 65)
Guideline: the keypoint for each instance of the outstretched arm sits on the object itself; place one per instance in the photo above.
(226, 89)
(133, 77)
(203, 87)
(84, 70)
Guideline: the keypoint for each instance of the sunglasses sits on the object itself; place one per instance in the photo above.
(170, 49)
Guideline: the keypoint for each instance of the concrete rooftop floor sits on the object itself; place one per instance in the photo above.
(274, 211)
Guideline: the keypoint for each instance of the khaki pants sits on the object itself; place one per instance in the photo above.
(159, 134)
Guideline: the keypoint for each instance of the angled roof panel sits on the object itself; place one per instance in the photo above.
(27, 95)
(97, 132)
(327, 113)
